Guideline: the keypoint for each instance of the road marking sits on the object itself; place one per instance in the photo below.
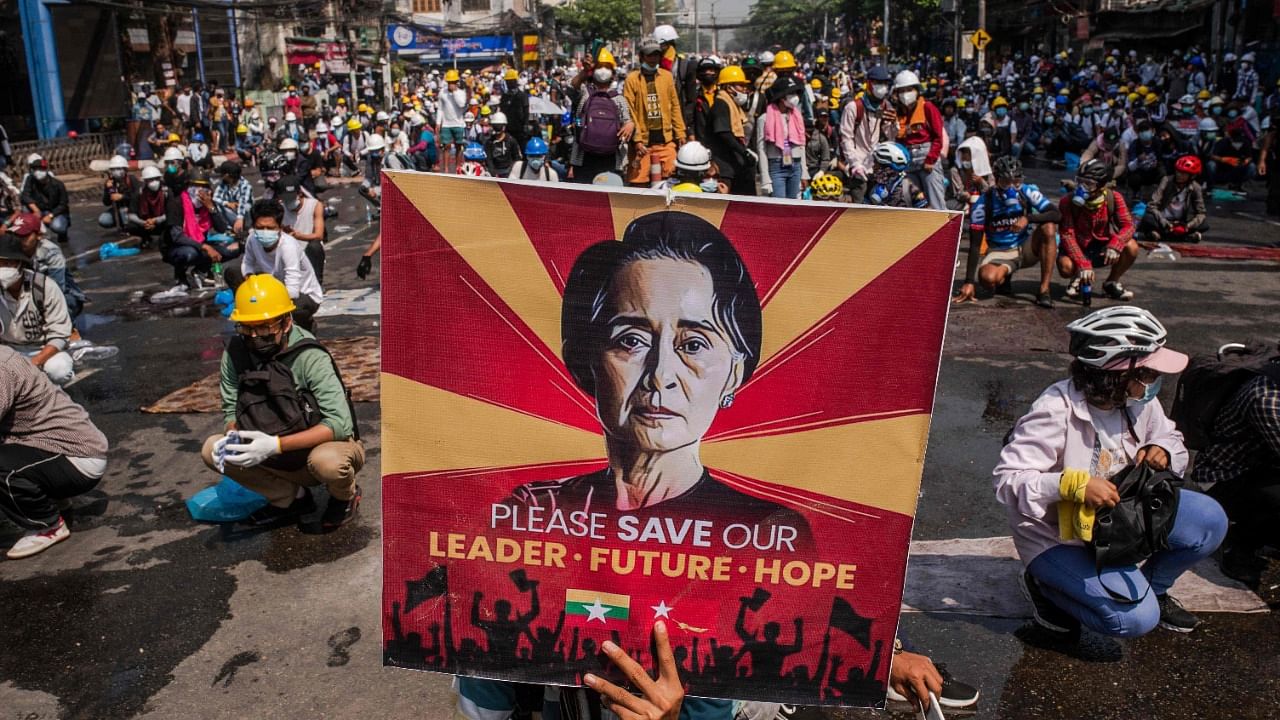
(336, 242)
(979, 576)
(1257, 218)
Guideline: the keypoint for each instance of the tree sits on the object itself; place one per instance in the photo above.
(788, 22)
(604, 19)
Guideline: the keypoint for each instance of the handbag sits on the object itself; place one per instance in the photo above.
(1139, 525)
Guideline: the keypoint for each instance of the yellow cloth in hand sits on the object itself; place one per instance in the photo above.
(1075, 519)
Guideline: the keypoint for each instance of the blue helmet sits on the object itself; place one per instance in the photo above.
(474, 151)
(198, 137)
(535, 146)
(1062, 100)
(566, 119)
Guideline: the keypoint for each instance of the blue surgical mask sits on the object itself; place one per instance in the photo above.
(1216, 109)
(1001, 111)
(710, 185)
(267, 238)
(648, 69)
(1149, 392)
(1232, 113)
(1048, 119)
(1146, 135)
(1087, 110)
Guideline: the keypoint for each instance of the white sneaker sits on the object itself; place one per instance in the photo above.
(1073, 290)
(37, 541)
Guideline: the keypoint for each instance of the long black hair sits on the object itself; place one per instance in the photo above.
(1102, 388)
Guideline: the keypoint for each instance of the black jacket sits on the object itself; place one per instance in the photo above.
(50, 196)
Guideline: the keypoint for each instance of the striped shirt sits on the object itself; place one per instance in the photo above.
(241, 194)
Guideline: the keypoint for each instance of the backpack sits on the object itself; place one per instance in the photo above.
(1139, 525)
(268, 399)
(1209, 383)
(600, 123)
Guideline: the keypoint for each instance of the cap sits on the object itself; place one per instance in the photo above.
(287, 189)
(1162, 360)
(25, 224)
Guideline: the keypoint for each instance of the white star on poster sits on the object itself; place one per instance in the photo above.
(596, 611)
(662, 610)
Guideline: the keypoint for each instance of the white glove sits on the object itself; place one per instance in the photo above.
(220, 449)
(1111, 256)
(254, 447)
(1086, 276)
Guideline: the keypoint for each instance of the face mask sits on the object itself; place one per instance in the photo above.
(290, 154)
(263, 345)
(1237, 144)
(153, 185)
(1216, 109)
(536, 163)
(1145, 136)
(908, 97)
(709, 185)
(602, 75)
(648, 69)
(1232, 113)
(1149, 392)
(117, 174)
(879, 91)
(965, 164)
(1088, 111)
(41, 174)
(793, 101)
(1001, 112)
(1023, 106)
(395, 133)
(1048, 120)
(9, 275)
(375, 157)
(741, 99)
(268, 238)
(1211, 136)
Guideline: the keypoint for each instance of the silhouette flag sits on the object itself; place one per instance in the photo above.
(757, 599)
(843, 617)
(432, 585)
(521, 580)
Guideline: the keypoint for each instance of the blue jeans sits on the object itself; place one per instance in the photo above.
(1067, 576)
(785, 178)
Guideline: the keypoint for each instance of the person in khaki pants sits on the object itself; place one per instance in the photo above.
(282, 451)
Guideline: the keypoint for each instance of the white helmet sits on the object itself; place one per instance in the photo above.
(469, 117)
(288, 144)
(498, 119)
(151, 172)
(1208, 125)
(905, 79)
(766, 58)
(290, 117)
(1187, 99)
(34, 158)
(376, 142)
(1115, 333)
(1229, 57)
(173, 154)
(382, 116)
(1248, 57)
(665, 34)
(322, 127)
(693, 156)
(892, 154)
(118, 163)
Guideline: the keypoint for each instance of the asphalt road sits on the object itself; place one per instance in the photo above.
(146, 614)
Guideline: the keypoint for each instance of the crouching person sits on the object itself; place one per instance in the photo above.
(290, 421)
(33, 313)
(49, 452)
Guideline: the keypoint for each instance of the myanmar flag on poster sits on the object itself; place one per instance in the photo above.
(599, 609)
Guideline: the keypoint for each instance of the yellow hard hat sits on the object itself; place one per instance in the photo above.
(948, 60)
(261, 298)
(1123, 90)
(816, 84)
(836, 93)
(242, 129)
(451, 75)
(1142, 90)
(248, 102)
(353, 124)
(821, 60)
(486, 110)
(993, 87)
(961, 102)
(732, 74)
(1203, 95)
(319, 64)
(1151, 99)
(999, 102)
(687, 187)
(606, 58)
(342, 101)
(173, 137)
(511, 74)
(1133, 97)
(784, 60)
(292, 88)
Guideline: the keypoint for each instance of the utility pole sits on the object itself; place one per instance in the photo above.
(982, 25)
(886, 31)
(715, 31)
(647, 20)
(697, 36)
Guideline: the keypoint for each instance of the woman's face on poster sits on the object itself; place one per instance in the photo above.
(667, 364)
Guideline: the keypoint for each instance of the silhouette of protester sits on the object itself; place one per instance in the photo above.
(767, 655)
(503, 631)
(544, 642)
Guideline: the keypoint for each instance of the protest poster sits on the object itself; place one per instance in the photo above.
(604, 408)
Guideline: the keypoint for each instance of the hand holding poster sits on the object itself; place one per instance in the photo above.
(599, 411)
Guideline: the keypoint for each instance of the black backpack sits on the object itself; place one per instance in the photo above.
(1139, 526)
(268, 400)
(1210, 381)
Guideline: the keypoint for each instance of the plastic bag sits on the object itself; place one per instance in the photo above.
(111, 250)
(227, 501)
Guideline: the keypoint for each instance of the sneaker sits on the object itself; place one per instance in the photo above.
(1073, 289)
(1116, 291)
(37, 541)
(1046, 614)
(272, 515)
(339, 512)
(1242, 565)
(955, 694)
(1044, 300)
(1175, 617)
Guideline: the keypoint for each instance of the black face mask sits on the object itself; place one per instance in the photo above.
(263, 346)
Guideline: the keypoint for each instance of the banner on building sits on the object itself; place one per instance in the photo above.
(530, 46)
(600, 409)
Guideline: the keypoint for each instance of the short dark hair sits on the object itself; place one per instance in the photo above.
(267, 207)
(671, 235)
(231, 168)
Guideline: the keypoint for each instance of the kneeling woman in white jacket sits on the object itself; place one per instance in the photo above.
(1079, 433)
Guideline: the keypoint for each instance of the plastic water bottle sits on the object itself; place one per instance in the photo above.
(1011, 198)
(1080, 196)
(217, 269)
(879, 194)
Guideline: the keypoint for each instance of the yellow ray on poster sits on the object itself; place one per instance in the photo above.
(492, 242)
(425, 429)
(629, 206)
(860, 245)
(876, 463)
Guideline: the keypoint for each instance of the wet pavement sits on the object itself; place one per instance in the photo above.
(144, 613)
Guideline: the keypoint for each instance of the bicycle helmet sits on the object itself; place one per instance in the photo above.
(1106, 337)
(827, 186)
(893, 155)
(274, 162)
(1095, 170)
(474, 151)
(1188, 164)
(473, 169)
(1007, 166)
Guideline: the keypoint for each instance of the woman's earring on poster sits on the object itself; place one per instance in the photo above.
(726, 401)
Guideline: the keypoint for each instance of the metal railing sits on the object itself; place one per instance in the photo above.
(66, 155)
